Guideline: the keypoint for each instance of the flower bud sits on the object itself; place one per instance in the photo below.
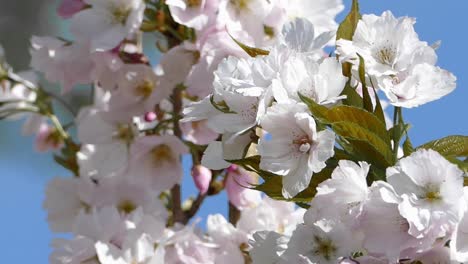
(237, 186)
(48, 138)
(150, 117)
(202, 178)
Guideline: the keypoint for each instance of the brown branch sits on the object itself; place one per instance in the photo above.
(234, 214)
(177, 212)
(195, 207)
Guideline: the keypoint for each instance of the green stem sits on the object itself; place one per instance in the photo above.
(58, 126)
(174, 33)
(397, 119)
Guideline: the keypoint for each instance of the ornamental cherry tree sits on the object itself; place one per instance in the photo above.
(274, 103)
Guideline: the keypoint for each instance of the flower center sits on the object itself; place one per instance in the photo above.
(120, 14)
(386, 55)
(162, 154)
(240, 5)
(124, 133)
(144, 89)
(54, 138)
(324, 248)
(432, 193)
(126, 206)
(193, 3)
(304, 143)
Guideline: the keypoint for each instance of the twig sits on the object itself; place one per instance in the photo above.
(234, 214)
(177, 212)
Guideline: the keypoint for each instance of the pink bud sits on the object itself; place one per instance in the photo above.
(150, 117)
(68, 8)
(47, 138)
(238, 183)
(202, 178)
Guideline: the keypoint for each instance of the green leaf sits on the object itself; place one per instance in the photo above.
(361, 118)
(352, 97)
(347, 28)
(364, 151)
(251, 163)
(367, 102)
(407, 147)
(358, 135)
(379, 112)
(319, 112)
(253, 52)
(399, 130)
(273, 187)
(346, 31)
(451, 146)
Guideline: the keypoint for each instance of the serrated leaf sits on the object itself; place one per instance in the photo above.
(352, 132)
(347, 28)
(451, 146)
(378, 110)
(253, 52)
(319, 112)
(361, 118)
(346, 31)
(398, 131)
(273, 187)
(364, 151)
(367, 101)
(352, 97)
(407, 147)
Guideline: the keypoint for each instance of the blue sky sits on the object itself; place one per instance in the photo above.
(26, 236)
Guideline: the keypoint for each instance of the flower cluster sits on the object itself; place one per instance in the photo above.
(261, 96)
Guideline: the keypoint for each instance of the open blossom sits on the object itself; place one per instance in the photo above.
(320, 244)
(431, 189)
(401, 65)
(267, 247)
(107, 22)
(105, 143)
(421, 84)
(61, 62)
(321, 13)
(185, 244)
(138, 91)
(381, 218)
(198, 132)
(296, 149)
(344, 195)
(193, 13)
(268, 214)
(387, 44)
(322, 82)
(459, 239)
(156, 161)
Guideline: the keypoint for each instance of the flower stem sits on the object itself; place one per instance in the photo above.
(396, 121)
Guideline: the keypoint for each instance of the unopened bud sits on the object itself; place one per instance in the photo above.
(202, 178)
(150, 117)
(238, 183)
